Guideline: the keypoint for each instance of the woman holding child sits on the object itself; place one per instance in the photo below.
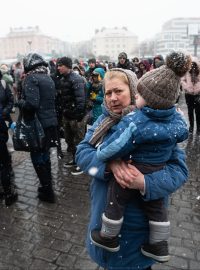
(119, 89)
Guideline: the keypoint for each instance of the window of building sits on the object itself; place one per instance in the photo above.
(168, 36)
(171, 45)
(181, 45)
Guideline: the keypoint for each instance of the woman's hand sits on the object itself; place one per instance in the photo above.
(127, 175)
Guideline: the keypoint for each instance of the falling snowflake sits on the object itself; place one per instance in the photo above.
(93, 171)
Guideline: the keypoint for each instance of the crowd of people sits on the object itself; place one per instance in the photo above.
(121, 126)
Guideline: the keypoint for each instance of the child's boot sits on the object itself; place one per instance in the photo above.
(157, 248)
(107, 238)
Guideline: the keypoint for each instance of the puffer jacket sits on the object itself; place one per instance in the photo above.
(188, 86)
(145, 136)
(126, 65)
(135, 229)
(72, 90)
(39, 97)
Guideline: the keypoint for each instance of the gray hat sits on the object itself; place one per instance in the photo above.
(160, 87)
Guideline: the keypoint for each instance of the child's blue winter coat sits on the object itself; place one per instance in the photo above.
(147, 135)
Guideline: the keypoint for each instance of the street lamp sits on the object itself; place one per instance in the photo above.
(29, 44)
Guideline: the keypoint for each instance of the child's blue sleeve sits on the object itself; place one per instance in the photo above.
(119, 144)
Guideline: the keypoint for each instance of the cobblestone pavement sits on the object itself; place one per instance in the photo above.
(39, 236)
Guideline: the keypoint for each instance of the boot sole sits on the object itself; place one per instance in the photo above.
(104, 247)
(43, 198)
(160, 259)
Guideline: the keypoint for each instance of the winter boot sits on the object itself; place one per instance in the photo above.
(10, 194)
(157, 248)
(107, 238)
(45, 192)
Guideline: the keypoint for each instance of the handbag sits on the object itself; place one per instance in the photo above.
(28, 135)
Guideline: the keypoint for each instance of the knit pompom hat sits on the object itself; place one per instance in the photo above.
(160, 87)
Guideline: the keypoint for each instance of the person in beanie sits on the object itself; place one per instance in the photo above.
(145, 137)
(158, 61)
(119, 99)
(73, 103)
(92, 65)
(123, 62)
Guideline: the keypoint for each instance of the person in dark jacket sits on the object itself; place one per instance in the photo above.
(38, 98)
(123, 62)
(158, 61)
(92, 65)
(56, 76)
(9, 193)
(73, 95)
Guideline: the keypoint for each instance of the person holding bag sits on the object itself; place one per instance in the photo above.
(38, 99)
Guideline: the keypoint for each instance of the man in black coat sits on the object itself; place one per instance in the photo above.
(73, 98)
(92, 65)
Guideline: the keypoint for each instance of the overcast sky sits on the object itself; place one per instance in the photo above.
(76, 20)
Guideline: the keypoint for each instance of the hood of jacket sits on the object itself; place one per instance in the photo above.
(33, 60)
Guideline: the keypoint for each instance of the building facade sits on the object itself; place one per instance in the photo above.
(21, 41)
(176, 35)
(111, 41)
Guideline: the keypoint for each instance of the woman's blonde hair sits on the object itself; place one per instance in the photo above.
(116, 74)
(126, 76)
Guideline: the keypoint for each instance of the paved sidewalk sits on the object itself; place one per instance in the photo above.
(39, 236)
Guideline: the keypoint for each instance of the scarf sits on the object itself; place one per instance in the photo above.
(107, 123)
(39, 69)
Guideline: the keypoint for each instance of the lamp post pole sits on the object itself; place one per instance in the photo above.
(29, 43)
(196, 42)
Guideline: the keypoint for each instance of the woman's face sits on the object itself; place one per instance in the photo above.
(117, 95)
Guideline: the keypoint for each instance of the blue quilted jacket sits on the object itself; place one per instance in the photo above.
(145, 136)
